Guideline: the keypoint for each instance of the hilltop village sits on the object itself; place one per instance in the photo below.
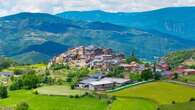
(96, 68)
(90, 56)
(113, 70)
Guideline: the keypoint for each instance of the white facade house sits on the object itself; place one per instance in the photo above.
(98, 82)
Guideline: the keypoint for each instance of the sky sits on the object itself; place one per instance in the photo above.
(8, 7)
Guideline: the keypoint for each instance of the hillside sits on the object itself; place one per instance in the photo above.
(24, 34)
(177, 21)
(180, 57)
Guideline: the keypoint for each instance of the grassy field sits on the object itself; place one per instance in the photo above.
(190, 78)
(38, 102)
(142, 97)
(180, 106)
(133, 104)
(34, 66)
(161, 92)
(59, 90)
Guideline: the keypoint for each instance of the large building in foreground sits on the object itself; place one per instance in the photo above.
(90, 56)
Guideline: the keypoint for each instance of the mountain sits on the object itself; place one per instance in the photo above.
(177, 21)
(49, 48)
(31, 58)
(36, 37)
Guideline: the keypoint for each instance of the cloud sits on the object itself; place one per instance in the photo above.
(55, 6)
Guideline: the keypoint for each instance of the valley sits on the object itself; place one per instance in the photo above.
(58, 85)
(97, 58)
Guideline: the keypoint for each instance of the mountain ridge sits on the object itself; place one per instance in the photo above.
(178, 21)
(31, 31)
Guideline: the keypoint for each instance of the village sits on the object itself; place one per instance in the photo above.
(98, 74)
(105, 60)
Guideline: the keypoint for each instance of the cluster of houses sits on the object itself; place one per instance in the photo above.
(105, 59)
(181, 70)
(90, 56)
(94, 57)
(100, 82)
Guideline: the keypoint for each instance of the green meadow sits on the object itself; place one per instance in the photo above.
(147, 96)
(133, 104)
(38, 67)
(43, 102)
(151, 96)
(190, 78)
(179, 106)
(160, 92)
(64, 90)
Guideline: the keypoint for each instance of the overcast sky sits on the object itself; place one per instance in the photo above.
(8, 7)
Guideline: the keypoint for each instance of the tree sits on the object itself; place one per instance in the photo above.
(59, 66)
(30, 81)
(135, 76)
(22, 106)
(132, 58)
(117, 71)
(26, 81)
(146, 74)
(16, 84)
(175, 76)
(3, 91)
(154, 67)
(157, 75)
(18, 72)
(74, 76)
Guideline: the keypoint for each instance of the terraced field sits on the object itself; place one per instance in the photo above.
(161, 92)
(179, 106)
(152, 95)
(133, 104)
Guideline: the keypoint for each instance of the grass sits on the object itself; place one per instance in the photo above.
(161, 92)
(39, 102)
(142, 97)
(179, 106)
(33, 66)
(189, 78)
(59, 90)
(133, 104)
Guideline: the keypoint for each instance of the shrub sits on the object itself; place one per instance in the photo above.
(113, 98)
(3, 92)
(76, 96)
(72, 86)
(26, 81)
(192, 99)
(18, 72)
(86, 94)
(147, 74)
(16, 84)
(109, 101)
(71, 96)
(173, 102)
(35, 92)
(22, 106)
